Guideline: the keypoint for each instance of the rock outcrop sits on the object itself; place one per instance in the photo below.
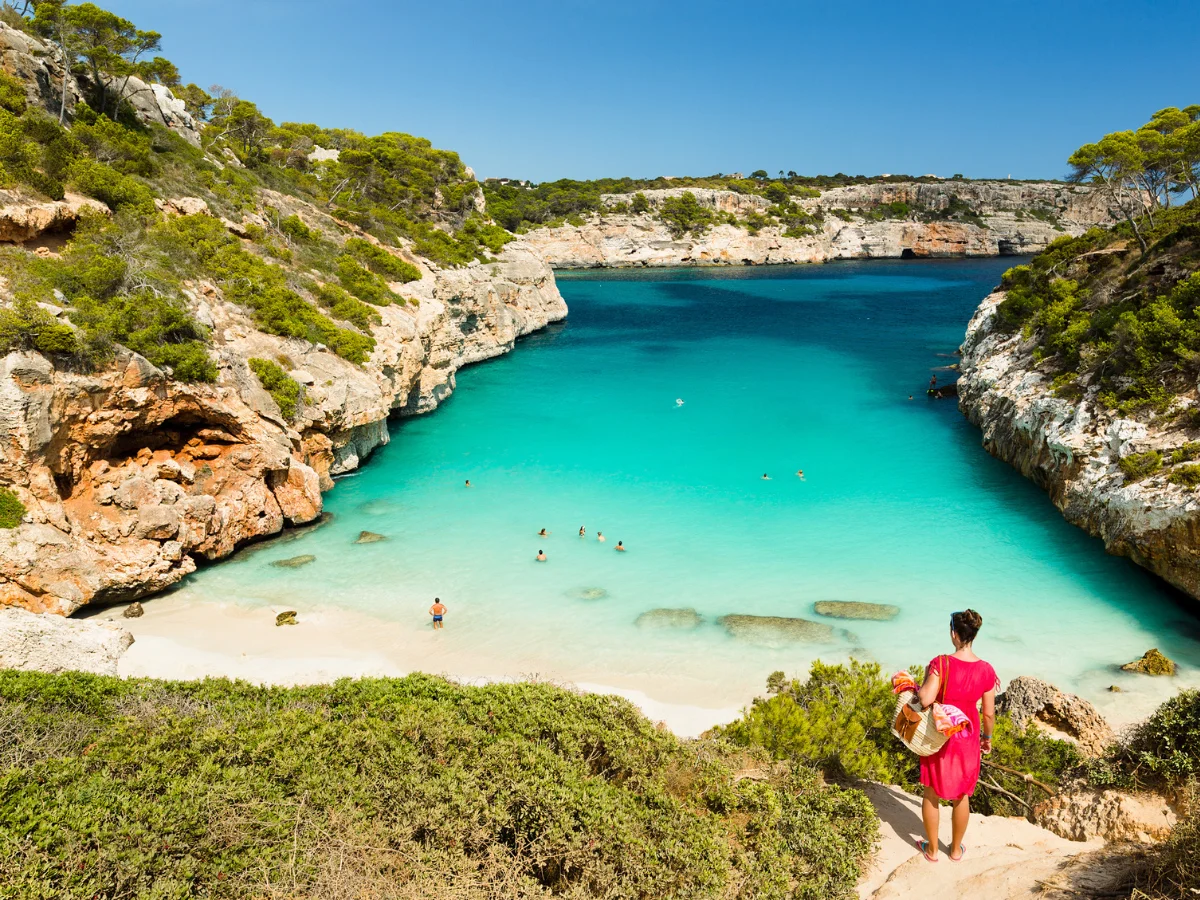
(1073, 449)
(1084, 814)
(52, 644)
(129, 477)
(1029, 700)
(1006, 218)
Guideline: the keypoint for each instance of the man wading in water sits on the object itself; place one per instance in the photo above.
(437, 611)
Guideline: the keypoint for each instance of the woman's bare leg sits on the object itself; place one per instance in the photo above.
(930, 815)
(959, 818)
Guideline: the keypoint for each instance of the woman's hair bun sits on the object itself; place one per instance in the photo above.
(966, 624)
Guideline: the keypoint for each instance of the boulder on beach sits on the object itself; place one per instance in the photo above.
(370, 537)
(1029, 700)
(588, 593)
(36, 642)
(776, 628)
(133, 610)
(669, 618)
(1152, 663)
(853, 609)
(288, 617)
(294, 562)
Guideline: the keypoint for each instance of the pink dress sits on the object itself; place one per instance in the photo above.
(953, 771)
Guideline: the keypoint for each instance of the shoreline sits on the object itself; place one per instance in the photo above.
(181, 639)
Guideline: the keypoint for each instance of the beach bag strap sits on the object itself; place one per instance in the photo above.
(943, 677)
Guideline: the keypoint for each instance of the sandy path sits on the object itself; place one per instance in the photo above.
(1006, 858)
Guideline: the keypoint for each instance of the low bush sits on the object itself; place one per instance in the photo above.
(284, 389)
(294, 227)
(1164, 751)
(349, 309)
(412, 787)
(840, 719)
(1137, 466)
(106, 184)
(12, 510)
(1187, 475)
(363, 283)
(26, 326)
(381, 262)
(684, 214)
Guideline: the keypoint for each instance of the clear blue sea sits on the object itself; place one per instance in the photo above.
(779, 369)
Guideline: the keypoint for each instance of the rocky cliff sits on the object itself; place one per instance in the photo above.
(1000, 218)
(1073, 449)
(129, 477)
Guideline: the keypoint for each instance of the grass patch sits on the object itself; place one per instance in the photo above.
(1138, 466)
(12, 510)
(284, 389)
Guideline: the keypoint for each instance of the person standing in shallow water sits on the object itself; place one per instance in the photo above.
(437, 611)
(952, 773)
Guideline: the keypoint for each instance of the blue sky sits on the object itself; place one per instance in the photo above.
(564, 88)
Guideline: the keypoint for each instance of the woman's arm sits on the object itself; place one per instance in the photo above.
(929, 690)
(988, 721)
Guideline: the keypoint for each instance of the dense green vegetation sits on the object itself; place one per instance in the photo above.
(11, 509)
(840, 719)
(121, 281)
(1117, 310)
(411, 787)
(284, 389)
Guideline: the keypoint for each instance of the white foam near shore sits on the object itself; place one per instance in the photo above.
(181, 639)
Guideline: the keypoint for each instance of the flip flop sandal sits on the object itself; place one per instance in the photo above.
(921, 845)
(962, 851)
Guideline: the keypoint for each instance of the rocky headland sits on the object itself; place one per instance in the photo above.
(1073, 449)
(943, 219)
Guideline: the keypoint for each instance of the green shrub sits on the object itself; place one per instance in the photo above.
(349, 309)
(12, 510)
(106, 184)
(1187, 475)
(284, 389)
(12, 94)
(1165, 749)
(684, 214)
(1186, 453)
(840, 722)
(26, 326)
(363, 283)
(381, 262)
(225, 789)
(1137, 466)
(640, 203)
(294, 227)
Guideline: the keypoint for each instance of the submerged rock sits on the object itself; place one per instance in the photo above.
(1152, 663)
(669, 618)
(590, 593)
(853, 609)
(370, 537)
(776, 628)
(35, 642)
(133, 610)
(287, 617)
(294, 562)
(1032, 700)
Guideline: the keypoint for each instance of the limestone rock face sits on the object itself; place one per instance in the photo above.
(1072, 449)
(1028, 700)
(24, 218)
(1087, 813)
(52, 644)
(1014, 218)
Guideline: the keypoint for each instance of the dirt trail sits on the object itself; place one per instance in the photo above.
(1006, 858)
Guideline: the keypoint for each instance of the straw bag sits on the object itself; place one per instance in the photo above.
(915, 726)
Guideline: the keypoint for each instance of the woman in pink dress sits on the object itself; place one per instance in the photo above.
(952, 772)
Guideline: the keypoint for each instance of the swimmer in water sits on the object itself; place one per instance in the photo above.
(678, 402)
(582, 531)
(910, 396)
(600, 536)
(541, 557)
(543, 533)
(620, 546)
(800, 474)
(766, 477)
(437, 611)
(468, 482)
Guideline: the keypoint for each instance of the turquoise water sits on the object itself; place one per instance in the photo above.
(780, 368)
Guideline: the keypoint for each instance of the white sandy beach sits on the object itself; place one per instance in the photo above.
(179, 638)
